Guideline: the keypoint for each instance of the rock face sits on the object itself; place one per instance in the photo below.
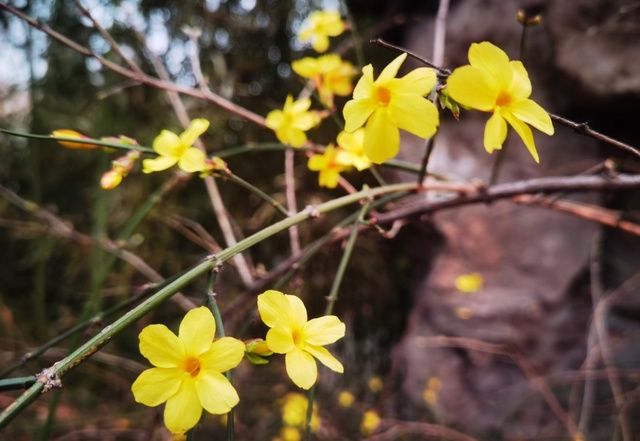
(536, 299)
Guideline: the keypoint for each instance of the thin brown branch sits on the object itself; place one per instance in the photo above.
(521, 361)
(441, 71)
(399, 429)
(140, 77)
(584, 129)
(605, 216)
(440, 32)
(481, 194)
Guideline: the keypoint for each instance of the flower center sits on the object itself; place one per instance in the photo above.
(298, 337)
(504, 98)
(383, 95)
(191, 366)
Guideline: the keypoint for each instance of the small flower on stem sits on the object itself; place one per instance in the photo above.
(319, 26)
(330, 74)
(299, 339)
(388, 104)
(188, 373)
(292, 121)
(492, 83)
(120, 168)
(329, 165)
(173, 149)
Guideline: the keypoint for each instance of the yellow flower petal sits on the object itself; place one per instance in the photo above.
(161, 346)
(225, 353)
(197, 330)
(280, 340)
(301, 368)
(381, 139)
(364, 87)
(306, 121)
(317, 163)
(158, 164)
(298, 311)
(329, 178)
(168, 144)
(183, 410)
(306, 67)
(524, 132)
(472, 87)
(530, 112)
(215, 392)
(324, 330)
(196, 128)
(274, 308)
(520, 85)
(493, 60)
(391, 69)
(275, 119)
(356, 112)
(292, 136)
(495, 132)
(320, 43)
(156, 385)
(193, 160)
(418, 82)
(298, 106)
(325, 357)
(415, 114)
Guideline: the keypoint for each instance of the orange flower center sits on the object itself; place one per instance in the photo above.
(298, 337)
(383, 95)
(504, 98)
(192, 366)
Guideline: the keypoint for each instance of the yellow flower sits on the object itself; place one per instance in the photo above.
(492, 83)
(370, 422)
(352, 149)
(330, 74)
(292, 121)
(319, 26)
(188, 372)
(73, 134)
(299, 339)
(469, 283)
(375, 384)
(172, 149)
(390, 103)
(290, 434)
(346, 399)
(294, 411)
(328, 165)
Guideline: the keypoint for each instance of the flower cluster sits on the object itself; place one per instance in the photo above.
(330, 74)
(319, 26)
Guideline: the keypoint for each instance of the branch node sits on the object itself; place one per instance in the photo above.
(312, 212)
(50, 379)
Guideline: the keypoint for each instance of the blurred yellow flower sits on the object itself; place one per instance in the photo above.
(469, 283)
(299, 339)
(346, 399)
(188, 372)
(375, 384)
(370, 422)
(328, 165)
(388, 104)
(330, 74)
(432, 391)
(172, 149)
(290, 434)
(352, 149)
(292, 121)
(294, 411)
(319, 26)
(492, 83)
(67, 133)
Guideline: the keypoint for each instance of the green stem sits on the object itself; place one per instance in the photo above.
(311, 395)
(425, 159)
(357, 41)
(87, 140)
(346, 256)
(376, 175)
(255, 190)
(63, 366)
(17, 383)
(497, 165)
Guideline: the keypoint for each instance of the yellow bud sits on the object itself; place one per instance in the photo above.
(111, 179)
(375, 384)
(67, 133)
(370, 422)
(346, 399)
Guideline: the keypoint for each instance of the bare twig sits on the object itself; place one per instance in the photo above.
(511, 189)
(292, 205)
(584, 129)
(441, 71)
